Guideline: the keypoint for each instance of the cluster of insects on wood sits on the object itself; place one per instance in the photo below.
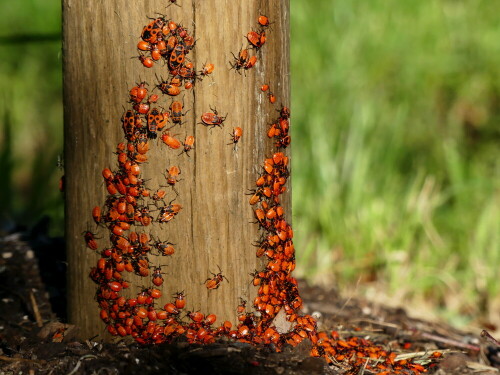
(131, 206)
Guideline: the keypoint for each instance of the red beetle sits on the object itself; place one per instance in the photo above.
(188, 144)
(170, 141)
(168, 89)
(96, 214)
(212, 119)
(165, 248)
(214, 282)
(157, 276)
(250, 63)
(173, 173)
(90, 240)
(180, 300)
(177, 57)
(241, 60)
(146, 61)
(236, 135)
(256, 39)
(176, 112)
(138, 93)
(196, 316)
(263, 21)
(207, 69)
(151, 32)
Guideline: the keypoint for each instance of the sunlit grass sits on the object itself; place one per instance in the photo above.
(31, 114)
(395, 118)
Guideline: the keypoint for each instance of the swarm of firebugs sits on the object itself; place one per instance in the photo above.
(169, 42)
(246, 58)
(127, 213)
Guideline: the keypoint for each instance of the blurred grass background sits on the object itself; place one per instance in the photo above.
(395, 115)
(31, 124)
(396, 110)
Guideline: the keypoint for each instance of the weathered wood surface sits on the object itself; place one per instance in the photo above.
(214, 227)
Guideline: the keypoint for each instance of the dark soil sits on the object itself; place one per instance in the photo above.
(32, 316)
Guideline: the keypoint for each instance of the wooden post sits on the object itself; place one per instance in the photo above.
(214, 227)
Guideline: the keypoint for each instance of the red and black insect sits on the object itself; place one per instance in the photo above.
(170, 27)
(170, 44)
(250, 63)
(146, 61)
(177, 57)
(90, 240)
(180, 300)
(236, 135)
(143, 46)
(129, 125)
(214, 282)
(207, 69)
(144, 216)
(272, 98)
(176, 112)
(285, 113)
(96, 214)
(167, 88)
(187, 73)
(188, 144)
(152, 121)
(168, 212)
(153, 30)
(159, 195)
(142, 108)
(170, 141)
(256, 39)
(138, 93)
(157, 276)
(196, 316)
(212, 119)
(283, 142)
(165, 248)
(172, 175)
(156, 120)
(240, 61)
(188, 42)
(263, 21)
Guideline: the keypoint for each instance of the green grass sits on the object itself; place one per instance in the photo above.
(395, 114)
(31, 114)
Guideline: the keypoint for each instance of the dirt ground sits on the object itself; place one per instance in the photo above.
(32, 312)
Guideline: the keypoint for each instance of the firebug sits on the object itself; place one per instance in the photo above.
(212, 119)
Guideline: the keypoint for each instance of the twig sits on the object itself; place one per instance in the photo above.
(489, 338)
(447, 341)
(480, 367)
(337, 364)
(424, 354)
(348, 299)
(38, 317)
(362, 371)
(79, 363)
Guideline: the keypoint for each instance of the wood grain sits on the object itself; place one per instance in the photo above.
(214, 228)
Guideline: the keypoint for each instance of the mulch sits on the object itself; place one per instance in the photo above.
(32, 319)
